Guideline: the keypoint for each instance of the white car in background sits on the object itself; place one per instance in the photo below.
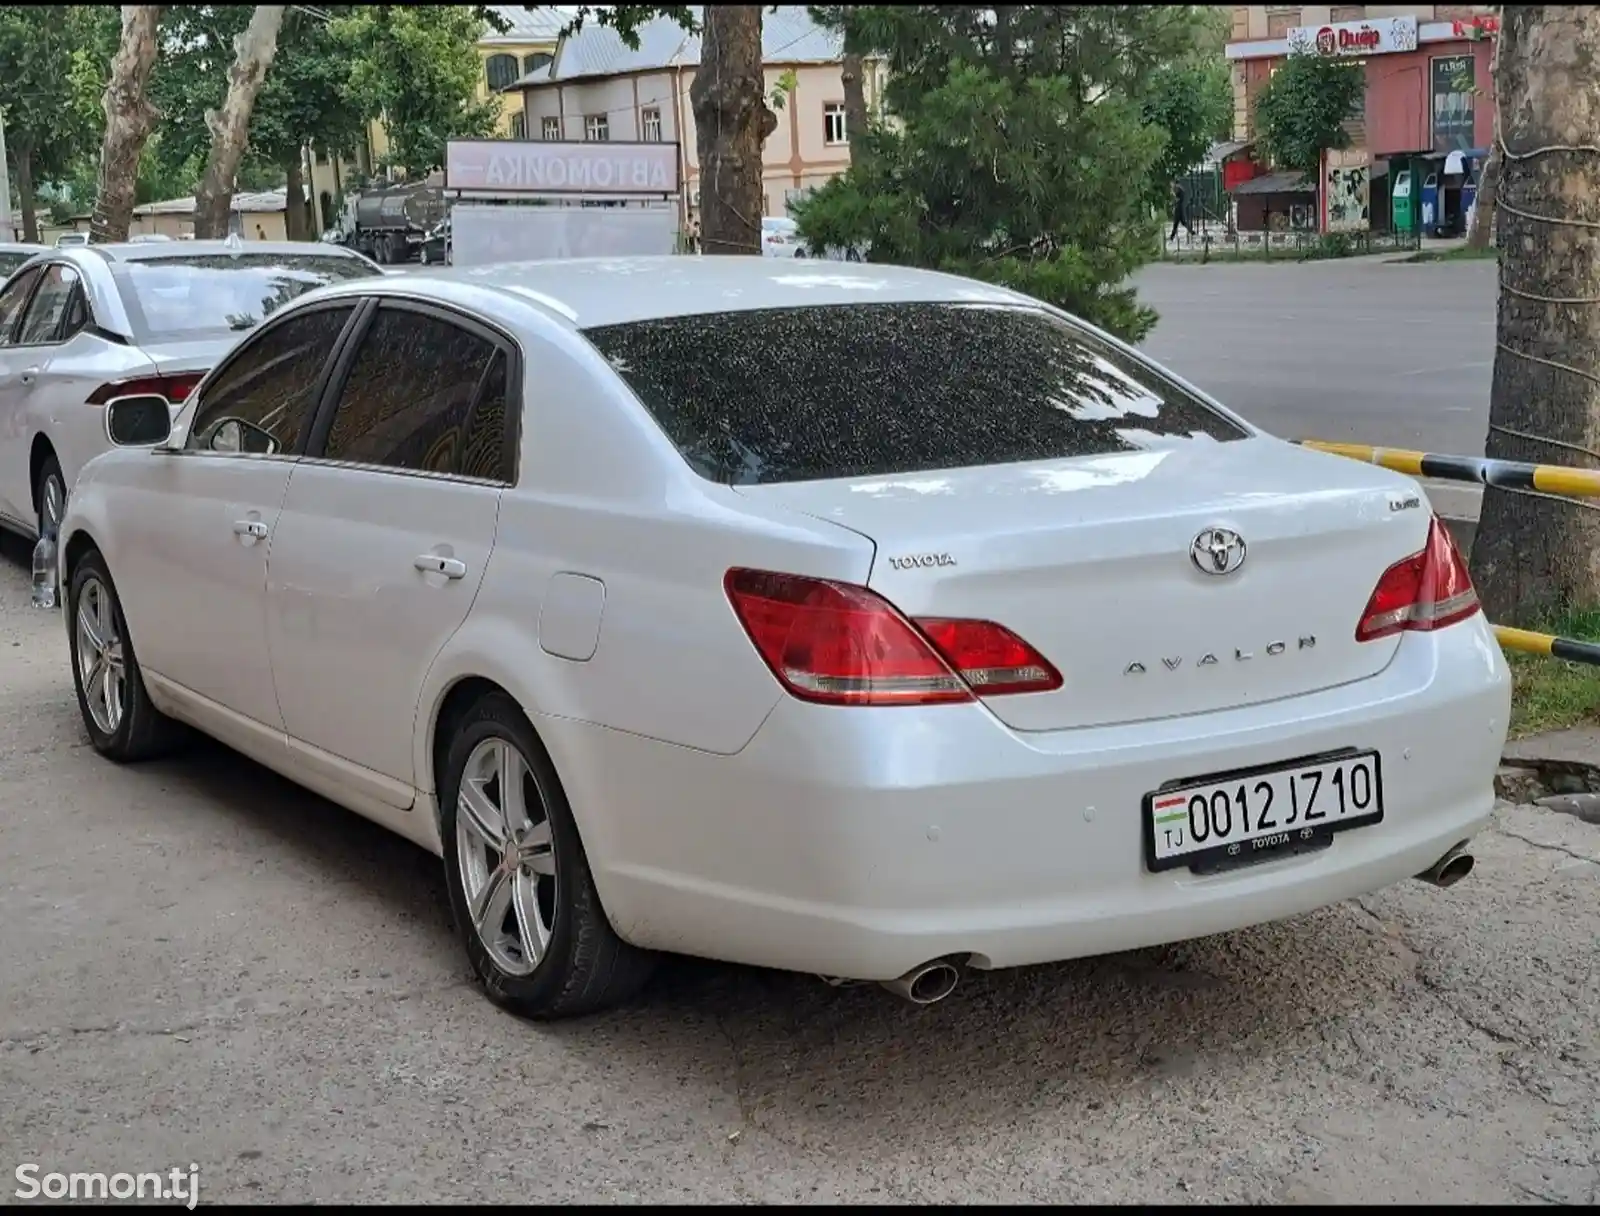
(865, 622)
(81, 327)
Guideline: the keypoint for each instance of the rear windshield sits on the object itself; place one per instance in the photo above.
(862, 390)
(171, 299)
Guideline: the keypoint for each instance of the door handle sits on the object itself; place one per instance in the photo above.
(249, 527)
(432, 563)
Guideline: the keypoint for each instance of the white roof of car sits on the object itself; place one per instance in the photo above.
(590, 292)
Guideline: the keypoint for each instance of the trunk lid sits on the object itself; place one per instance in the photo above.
(1089, 560)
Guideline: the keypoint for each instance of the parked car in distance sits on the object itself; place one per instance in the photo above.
(434, 248)
(780, 238)
(148, 238)
(873, 623)
(13, 255)
(68, 239)
(80, 327)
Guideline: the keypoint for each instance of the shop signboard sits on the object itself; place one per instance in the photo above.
(1355, 39)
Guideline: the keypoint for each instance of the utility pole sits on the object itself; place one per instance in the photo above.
(7, 232)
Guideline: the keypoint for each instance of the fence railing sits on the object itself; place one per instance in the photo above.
(1216, 242)
(1552, 479)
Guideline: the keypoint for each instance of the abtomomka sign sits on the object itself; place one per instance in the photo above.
(503, 166)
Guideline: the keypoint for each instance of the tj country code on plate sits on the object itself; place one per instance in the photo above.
(1262, 810)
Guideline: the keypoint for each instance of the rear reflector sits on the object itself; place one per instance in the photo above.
(175, 388)
(840, 644)
(1426, 591)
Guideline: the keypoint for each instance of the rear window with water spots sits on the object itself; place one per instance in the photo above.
(862, 390)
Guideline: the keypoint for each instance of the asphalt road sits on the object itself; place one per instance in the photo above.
(1359, 351)
(203, 964)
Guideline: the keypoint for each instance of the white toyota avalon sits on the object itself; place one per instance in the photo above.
(853, 620)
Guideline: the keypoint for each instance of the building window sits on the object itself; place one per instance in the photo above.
(650, 125)
(833, 125)
(1347, 12)
(535, 61)
(597, 128)
(550, 127)
(519, 127)
(500, 71)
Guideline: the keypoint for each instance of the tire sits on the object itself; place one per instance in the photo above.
(583, 967)
(51, 488)
(135, 729)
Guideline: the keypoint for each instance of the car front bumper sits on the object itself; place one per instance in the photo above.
(862, 843)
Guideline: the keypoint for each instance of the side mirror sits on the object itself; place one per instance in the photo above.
(139, 421)
(237, 435)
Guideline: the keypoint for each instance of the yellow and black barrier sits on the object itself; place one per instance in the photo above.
(1570, 649)
(1505, 474)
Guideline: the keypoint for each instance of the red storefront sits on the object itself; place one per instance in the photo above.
(1429, 89)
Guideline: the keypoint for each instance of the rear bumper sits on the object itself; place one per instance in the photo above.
(862, 843)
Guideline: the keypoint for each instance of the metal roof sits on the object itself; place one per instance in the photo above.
(788, 35)
(542, 25)
(268, 200)
(1276, 183)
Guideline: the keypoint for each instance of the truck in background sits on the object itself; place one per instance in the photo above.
(388, 223)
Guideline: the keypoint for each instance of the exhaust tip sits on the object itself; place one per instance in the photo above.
(1454, 870)
(1449, 869)
(926, 984)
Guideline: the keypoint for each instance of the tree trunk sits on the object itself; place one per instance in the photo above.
(22, 156)
(129, 119)
(732, 122)
(1482, 229)
(853, 71)
(230, 127)
(1483, 205)
(294, 207)
(1532, 555)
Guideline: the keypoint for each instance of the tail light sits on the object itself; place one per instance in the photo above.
(1426, 591)
(175, 388)
(841, 644)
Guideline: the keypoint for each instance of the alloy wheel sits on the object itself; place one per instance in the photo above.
(507, 856)
(52, 505)
(102, 670)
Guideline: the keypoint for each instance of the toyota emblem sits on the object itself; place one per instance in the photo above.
(1217, 551)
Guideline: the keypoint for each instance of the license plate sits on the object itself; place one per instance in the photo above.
(1260, 811)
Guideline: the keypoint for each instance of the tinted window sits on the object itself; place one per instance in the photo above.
(203, 295)
(860, 390)
(43, 318)
(407, 402)
(264, 398)
(12, 298)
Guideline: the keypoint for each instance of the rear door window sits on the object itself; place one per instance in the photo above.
(49, 304)
(262, 402)
(858, 390)
(12, 298)
(423, 395)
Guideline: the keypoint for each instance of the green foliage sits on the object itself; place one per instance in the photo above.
(46, 83)
(1193, 104)
(1301, 111)
(1022, 154)
(418, 69)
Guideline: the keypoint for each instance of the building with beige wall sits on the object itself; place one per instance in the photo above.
(599, 89)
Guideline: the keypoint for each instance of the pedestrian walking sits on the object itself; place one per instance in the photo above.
(1180, 211)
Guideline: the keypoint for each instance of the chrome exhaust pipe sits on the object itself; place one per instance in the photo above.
(926, 984)
(1449, 869)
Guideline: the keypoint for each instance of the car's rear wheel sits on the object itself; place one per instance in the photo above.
(122, 723)
(51, 494)
(524, 899)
